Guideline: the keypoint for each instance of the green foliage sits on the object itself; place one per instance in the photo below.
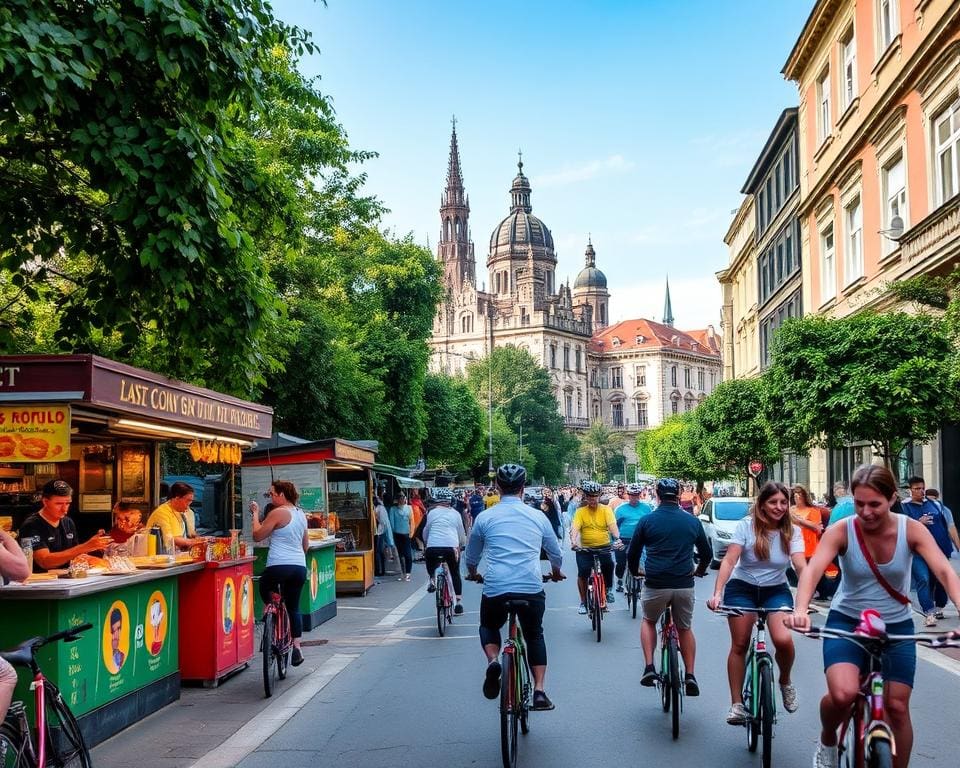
(926, 290)
(601, 450)
(676, 449)
(454, 424)
(732, 428)
(883, 378)
(522, 391)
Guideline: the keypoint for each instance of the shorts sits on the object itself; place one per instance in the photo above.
(899, 660)
(655, 601)
(585, 563)
(743, 594)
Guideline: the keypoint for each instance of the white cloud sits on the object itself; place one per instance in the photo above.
(614, 164)
(696, 301)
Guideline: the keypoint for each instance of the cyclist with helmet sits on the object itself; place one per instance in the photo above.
(443, 535)
(669, 536)
(593, 526)
(511, 535)
(620, 498)
(628, 516)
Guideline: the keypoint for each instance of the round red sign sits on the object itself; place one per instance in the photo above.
(756, 467)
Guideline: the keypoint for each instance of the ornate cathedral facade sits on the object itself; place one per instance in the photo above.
(599, 372)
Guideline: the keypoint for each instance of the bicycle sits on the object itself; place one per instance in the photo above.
(444, 596)
(632, 586)
(865, 738)
(275, 643)
(58, 742)
(596, 589)
(758, 688)
(670, 678)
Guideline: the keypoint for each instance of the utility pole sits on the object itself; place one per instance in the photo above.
(520, 423)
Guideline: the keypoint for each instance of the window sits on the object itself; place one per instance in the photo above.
(946, 136)
(675, 407)
(701, 379)
(596, 410)
(578, 360)
(713, 380)
(641, 414)
(888, 22)
(641, 371)
(853, 252)
(848, 55)
(616, 377)
(686, 378)
(828, 270)
(566, 357)
(673, 375)
(823, 106)
(616, 411)
(895, 197)
(579, 404)
(553, 355)
(568, 402)
(688, 405)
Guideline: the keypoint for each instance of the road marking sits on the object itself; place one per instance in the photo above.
(396, 615)
(263, 725)
(939, 659)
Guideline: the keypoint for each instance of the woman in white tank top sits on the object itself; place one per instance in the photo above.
(891, 541)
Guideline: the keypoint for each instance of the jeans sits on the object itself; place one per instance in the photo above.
(930, 593)
(404, 551)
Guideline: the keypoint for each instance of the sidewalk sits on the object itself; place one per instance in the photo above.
(204, 718)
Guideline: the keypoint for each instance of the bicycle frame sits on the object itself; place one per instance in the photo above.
(515, 647)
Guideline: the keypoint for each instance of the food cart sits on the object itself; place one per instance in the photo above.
(98, 425)
(335, 481)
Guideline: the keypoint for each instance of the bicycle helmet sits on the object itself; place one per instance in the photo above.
(591, 488)
(511, 477)
(668, 488)
(634, 489)
(440, 496)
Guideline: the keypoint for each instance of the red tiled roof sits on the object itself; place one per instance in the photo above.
(647, 334)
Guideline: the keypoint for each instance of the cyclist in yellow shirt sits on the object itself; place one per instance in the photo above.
(594, 525)
(492, 498)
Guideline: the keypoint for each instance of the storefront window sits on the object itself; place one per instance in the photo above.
(348, 493)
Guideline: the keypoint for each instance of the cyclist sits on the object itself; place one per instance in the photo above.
(13, 567)
(669, 535)
(443, 536)
(876, 548)
(511, 534)
(620, 498)
(286, 570)
(593, 526)
(753, 575)
(627, 516)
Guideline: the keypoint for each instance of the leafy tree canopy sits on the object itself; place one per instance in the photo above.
(454, 424)
(731, 427)
(676, 449)
(601, 449)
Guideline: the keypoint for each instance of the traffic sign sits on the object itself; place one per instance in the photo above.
(756, 467)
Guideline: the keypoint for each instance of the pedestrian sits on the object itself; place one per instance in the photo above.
(401, 515)
(383, 537)
(843, 503)
(810, 518)
(475, 505)
(930, 592)
(419, 510)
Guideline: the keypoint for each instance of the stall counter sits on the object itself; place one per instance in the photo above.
(318, 601)
(124, 668)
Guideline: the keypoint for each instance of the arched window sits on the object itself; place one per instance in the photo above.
(497, 282)
(446, 229)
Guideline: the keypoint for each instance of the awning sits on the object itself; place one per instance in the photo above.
(408, 482)
(400, 474)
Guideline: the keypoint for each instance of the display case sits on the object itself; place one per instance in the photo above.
(97, 472)
(350, 504)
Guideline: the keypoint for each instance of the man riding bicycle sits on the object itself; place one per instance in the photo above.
(669, 536)
(628, 517)
(511, 534)
(593, 526)
(443, 535)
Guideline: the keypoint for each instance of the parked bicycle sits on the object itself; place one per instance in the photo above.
(632, 586)
(276, 642)
(596, 589)
(670, 678)
(759, 698)
(866, 738)
(57, 741)
(444, 595)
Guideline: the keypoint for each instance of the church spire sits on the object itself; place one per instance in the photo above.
(520, 191)
(454, 194)
(667, 307)
(455, 249)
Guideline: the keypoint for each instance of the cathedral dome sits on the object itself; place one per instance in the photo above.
(520, 228)
(590, 276)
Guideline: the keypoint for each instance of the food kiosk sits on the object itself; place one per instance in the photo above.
(98, 425)
(335, 481)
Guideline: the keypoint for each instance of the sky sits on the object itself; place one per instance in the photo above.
(639, 122)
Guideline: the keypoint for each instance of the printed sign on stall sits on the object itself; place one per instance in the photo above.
(35, 433)
(155, 623)
(229, 606)
(116, 637)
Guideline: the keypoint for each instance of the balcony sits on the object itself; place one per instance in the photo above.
(623, 426)
(576, 422)
(934, 235)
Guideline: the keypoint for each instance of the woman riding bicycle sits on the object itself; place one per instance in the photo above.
(286, 570)
(876, 549)
(753, 575)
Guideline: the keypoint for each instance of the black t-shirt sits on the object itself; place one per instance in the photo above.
(56, 538)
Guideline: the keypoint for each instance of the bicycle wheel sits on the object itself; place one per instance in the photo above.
(674, 658)
(66, 747)
(766, 714)
(440, 586)
(598, 610)
(753, 730)
(266, 649)
(879, 752)
(664, 679)
(13, 747)
(634, 596)
(283, 644)
(850, 740)
(508, 712)
(524, 693)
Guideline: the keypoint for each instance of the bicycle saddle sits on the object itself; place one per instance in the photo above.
(22, 655)
(512, 605)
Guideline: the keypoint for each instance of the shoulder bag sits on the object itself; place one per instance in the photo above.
(895, 594)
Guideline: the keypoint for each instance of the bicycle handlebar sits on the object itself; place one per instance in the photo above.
(478, 578)
(595, 550)
(68, 635)
(732, 610)
(948, 640)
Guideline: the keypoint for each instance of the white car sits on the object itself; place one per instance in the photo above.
(720, 515)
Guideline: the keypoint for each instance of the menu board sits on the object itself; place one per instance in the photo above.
(32, 433)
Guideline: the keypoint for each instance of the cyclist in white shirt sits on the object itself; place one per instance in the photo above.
(443, 535)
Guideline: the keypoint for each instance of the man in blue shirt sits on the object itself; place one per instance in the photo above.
(511, 534)
(628, 516)
(844, 506)
(930, 592)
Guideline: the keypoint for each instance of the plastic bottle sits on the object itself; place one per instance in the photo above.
(154, 542)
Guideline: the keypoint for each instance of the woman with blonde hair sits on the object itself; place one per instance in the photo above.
(753, 575)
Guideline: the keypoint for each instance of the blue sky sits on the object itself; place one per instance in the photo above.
(639, 122)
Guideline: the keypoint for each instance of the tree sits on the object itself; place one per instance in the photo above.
(523, 392)
(599, 447)
(882, 378)
(455, 423)
(675, 449)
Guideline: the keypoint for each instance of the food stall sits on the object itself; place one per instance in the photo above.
(98, 425)
(335, 481)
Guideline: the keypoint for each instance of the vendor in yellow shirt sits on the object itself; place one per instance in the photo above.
(175, 518)
(594, 525)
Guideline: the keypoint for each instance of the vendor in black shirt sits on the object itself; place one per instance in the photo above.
(53, 534)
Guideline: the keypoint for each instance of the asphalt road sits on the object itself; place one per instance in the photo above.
(414, 699)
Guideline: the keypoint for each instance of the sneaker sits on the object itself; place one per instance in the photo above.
(296, 657)
(619, 585)
(691, 686)
(930, 620)
(431, 587)
(610, 597)
(582, 610)
(491, 681)
(649, 677)
(938, 613)
(789, 695)
(738, 714)
(407, 577)
(541, 702)
(458, 608)
(825, 757)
